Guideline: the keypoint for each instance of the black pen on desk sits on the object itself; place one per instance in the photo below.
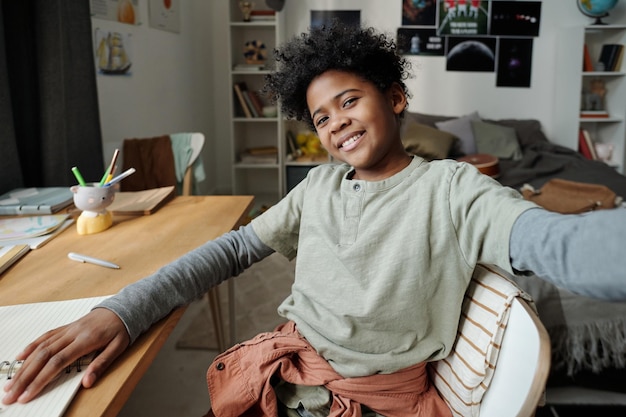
(91, 260)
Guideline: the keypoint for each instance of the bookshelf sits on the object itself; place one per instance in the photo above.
(575, 106)
(254, 131)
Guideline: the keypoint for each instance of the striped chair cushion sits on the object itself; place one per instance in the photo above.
(463, 377)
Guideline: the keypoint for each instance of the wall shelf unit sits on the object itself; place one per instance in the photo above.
(256, 141)
(573, 82)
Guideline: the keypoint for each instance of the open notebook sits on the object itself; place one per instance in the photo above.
(23, 323)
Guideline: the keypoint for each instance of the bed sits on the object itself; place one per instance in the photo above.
(588, 336)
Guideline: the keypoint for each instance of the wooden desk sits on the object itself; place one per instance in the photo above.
(140, 245)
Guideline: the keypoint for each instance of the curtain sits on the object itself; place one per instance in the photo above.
(49, 118)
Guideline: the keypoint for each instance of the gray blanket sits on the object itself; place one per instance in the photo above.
(586, 334)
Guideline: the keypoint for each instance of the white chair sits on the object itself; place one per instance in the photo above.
(501, 358)
(519, 381)
(197, 142)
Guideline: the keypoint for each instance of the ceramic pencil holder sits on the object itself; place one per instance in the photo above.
(93, 200)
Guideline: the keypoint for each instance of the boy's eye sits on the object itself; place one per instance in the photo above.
(321, 121)
(349, 101)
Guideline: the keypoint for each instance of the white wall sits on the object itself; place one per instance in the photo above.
(437, 91)
(178, 81)
(170, 88)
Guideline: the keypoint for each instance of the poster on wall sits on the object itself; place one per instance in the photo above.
(420, 42)
(325, 17)
(164, 15)
(123, 11)
(113, 52)
(477, 54)
(463, 17)
(514, 62)
(419, 12)
(515, 18)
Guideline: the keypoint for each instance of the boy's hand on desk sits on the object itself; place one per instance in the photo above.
(45, 358)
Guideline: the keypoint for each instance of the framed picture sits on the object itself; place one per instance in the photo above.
(419, 12)
(420, 42)
(514, 62)
(325, 17)
(463, 17)
(471, 54)
(515, 18)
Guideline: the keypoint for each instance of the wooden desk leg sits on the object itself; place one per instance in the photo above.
(216, 313)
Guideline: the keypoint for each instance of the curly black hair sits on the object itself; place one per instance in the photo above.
(358, 50)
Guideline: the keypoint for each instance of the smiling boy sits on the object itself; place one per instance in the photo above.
(386, 244)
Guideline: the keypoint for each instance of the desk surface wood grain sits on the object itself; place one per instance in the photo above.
(140, 245)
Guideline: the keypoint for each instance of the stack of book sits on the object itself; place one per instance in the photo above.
(260, 155)
(35, 200)
(262, 15)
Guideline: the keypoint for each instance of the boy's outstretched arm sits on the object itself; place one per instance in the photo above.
(583, 253)
(44, 359)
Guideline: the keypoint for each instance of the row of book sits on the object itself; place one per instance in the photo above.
(248, 101)
(610, 58)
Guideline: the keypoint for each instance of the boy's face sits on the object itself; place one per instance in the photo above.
(358, 124)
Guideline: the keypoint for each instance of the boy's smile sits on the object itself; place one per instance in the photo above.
(358, 124)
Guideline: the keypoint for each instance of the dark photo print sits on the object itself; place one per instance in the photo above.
(515, 18)
(419, 12)
(420, 42)
(325, 17)
(514, 62)
(471, 54)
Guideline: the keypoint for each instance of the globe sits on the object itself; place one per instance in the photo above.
(596, 8)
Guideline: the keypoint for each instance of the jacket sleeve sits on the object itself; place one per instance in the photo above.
(143, 303)
(582, 253)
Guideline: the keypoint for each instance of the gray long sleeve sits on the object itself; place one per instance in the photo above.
(581, 253)
(141, 304)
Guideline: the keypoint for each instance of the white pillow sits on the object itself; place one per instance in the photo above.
(462, 128)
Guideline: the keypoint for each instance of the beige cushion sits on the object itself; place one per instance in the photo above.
(463, 377)
(426, 141)
(496, 140)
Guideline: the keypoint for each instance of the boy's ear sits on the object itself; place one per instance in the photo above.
(398, 98)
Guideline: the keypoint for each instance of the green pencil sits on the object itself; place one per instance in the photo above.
(79, 177)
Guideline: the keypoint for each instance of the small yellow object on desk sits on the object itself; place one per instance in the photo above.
(87, 223)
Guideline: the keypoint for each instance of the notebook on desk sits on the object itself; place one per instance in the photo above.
(9, 254)
(35, 200)
(141, 202)
(34, 231)
(23, 323)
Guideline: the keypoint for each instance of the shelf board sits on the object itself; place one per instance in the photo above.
(610, 119)
(603, 73)
(255, 23)
(307, 163)
(255, 119)
(599, 28)
(242, 165)
(251, 72)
